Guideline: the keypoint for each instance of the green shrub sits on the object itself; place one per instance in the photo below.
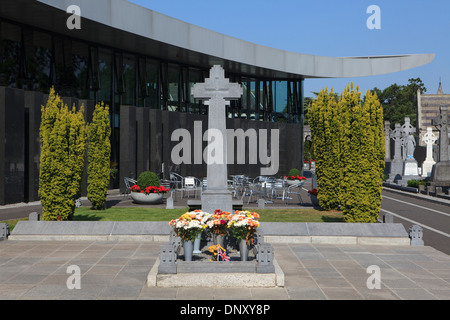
(148, 179)
(294, 172)
(416, 183)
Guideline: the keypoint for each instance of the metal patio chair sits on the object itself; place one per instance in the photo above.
(128, 184)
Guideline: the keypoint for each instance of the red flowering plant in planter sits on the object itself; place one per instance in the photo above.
(294, 174)
(148, 183)
(313, 192)
(298, 177)
(150, 189)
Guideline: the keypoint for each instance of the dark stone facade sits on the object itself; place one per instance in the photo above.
(144, 141)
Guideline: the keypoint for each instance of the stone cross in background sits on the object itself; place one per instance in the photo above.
(440, 175)
(441, 123)
(429, 138)
(387, 138)
(217, 91)
(397, 137)
(397, 163)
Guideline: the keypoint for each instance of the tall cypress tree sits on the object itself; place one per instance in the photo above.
(63, 144)
(348, 142)
(99, 153)
(325, 137)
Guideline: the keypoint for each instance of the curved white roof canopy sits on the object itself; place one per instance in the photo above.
(122, 24)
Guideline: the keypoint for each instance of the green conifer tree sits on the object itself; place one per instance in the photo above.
(99, 153)
(63, 144)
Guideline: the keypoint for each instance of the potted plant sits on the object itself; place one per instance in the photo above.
(243, 225)
(294, 177)
(188, 227)
(148, 190)
(313, 195)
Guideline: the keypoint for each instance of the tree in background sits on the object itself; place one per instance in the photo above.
(399, 101)
(63, 145)
(99, 153)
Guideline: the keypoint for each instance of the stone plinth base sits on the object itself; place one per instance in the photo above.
(440, 175)
(225, 275)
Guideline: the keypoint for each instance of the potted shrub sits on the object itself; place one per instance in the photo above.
(148, 189)
(294, 177)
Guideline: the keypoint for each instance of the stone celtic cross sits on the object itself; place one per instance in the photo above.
(217, 91)
(441, 123)
(397, 137)
(429, 138)
(387, 140)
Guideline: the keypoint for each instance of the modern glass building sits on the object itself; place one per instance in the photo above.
(143, 65)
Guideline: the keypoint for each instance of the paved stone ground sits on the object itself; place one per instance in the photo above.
(118, 270)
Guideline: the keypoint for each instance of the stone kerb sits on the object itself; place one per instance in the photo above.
(274, 232)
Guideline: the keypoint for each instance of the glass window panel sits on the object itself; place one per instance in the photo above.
(195, 76)
(174, 86)
(40, 63)
(80, 55)
(10, 55)
(105, 70)
(152, 68)
(129, 79)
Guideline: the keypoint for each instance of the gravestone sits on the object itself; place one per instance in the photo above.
(397, 163)
(387, 140)
(440, 174)
(429, 138)
(216, 92)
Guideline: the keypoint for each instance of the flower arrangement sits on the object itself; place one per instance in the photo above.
(313, 192)
(149, 189)
(243, 225)
(191, 224)
(218, 225)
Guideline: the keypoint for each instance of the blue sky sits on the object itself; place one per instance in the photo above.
(331, 28)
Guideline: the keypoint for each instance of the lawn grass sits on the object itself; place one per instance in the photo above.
(162, 214)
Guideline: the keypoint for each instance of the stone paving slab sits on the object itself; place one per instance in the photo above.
(119, 269)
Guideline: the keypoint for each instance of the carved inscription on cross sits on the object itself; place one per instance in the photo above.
(441, 123)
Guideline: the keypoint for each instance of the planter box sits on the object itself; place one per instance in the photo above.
(143, 198)
(292, 182)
